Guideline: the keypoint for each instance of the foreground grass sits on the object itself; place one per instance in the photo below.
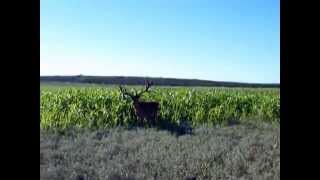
(234, 152)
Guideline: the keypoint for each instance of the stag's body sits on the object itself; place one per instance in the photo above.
(143, 110)
(146, 110)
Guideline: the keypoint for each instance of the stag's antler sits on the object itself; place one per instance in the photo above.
(135, 93)
(147, 86)
(125, 92)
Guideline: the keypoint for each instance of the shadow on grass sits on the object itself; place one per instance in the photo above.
(183, 128)
(175, 129)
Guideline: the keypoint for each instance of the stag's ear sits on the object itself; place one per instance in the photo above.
(123, 96)
(137, 93)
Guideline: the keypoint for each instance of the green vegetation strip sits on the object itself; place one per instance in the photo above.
(102, 108)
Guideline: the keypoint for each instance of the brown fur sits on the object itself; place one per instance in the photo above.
(143, 110)
(146, 110)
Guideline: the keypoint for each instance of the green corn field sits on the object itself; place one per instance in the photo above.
(101, 107)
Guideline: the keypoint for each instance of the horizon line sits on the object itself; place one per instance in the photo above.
(162, 78)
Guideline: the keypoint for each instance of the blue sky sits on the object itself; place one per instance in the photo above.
(222, 40)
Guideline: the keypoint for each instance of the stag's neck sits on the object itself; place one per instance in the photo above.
(136, 103)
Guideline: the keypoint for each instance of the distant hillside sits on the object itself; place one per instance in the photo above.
(140, 80)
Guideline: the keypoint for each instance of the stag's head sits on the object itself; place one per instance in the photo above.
(135, 95)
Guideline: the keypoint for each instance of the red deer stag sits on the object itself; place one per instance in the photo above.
(143, 110)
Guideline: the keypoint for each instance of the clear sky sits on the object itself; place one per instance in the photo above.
(222, 40)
